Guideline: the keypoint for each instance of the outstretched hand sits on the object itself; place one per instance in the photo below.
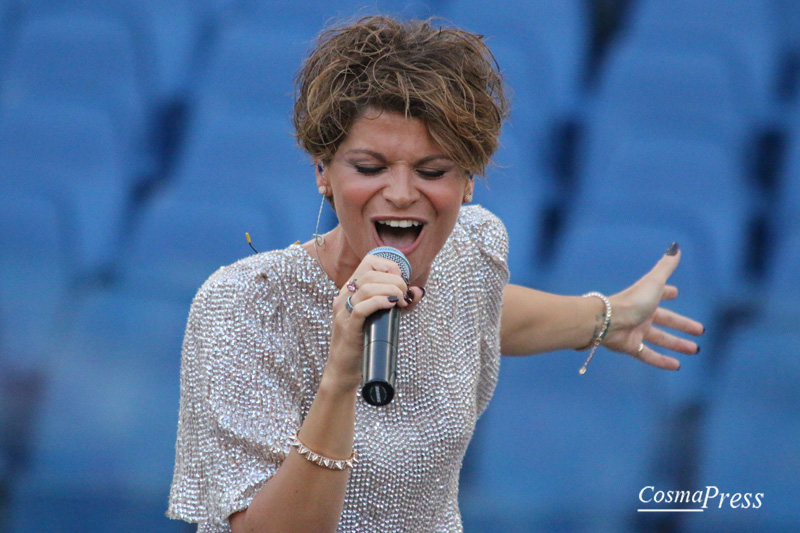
(638, 319)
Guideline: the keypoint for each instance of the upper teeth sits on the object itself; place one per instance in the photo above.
(400, 223)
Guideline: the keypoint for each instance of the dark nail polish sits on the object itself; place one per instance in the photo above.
(407, 299)
(423, 292)
(673, 249)
(394, 299)
(410, 296)
(698, 351)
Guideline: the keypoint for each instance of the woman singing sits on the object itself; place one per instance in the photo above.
(273, 435)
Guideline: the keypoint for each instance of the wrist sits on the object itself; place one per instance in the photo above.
(602, 324)
(601, 310)
(622, 315)
(335, 384)
(328, 427)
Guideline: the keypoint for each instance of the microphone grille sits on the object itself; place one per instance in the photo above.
(397, 256)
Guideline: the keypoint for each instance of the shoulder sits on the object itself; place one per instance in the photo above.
(243, 315)
(258, 269)
(256, 278)
(477, 216)
(484, 229)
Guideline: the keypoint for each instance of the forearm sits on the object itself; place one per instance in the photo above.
(535, 322)
(303, 496)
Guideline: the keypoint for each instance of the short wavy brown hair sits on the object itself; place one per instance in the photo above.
(444, 76)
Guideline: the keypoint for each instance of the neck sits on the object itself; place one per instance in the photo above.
(334, 256)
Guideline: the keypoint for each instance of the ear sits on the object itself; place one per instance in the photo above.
(319, 171)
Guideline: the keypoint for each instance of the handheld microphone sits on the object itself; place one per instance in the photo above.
(381, 332)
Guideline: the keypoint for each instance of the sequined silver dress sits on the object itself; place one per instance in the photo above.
(256, 343)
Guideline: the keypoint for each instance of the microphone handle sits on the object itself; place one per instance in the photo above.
(381, 333)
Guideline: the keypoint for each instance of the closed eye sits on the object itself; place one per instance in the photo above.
(431, 174)
(369, 171)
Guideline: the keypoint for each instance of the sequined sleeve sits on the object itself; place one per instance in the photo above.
(240, 397)
(489, 235)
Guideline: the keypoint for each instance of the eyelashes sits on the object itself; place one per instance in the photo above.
(431, 174)
(374, 171)
(369, 171)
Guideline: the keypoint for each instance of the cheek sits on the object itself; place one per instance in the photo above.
(447, 200)
(352, 197)
(447, 203)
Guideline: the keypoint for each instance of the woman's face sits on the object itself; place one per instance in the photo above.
(394, 186)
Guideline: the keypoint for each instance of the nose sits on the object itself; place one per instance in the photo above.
(401, 189)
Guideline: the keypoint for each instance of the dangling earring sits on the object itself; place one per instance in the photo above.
(319, 240)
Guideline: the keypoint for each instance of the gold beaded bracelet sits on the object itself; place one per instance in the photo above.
(599, 334)
(317, 459)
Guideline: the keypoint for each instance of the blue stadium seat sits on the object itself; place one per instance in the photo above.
(81, 59)
(782, 213)
(706, 179)
(551, 438)
(250, 70)
(663, 216)
(6, 12)
(20, 397)
(180, 241)
(252, 160)
(72, 155)
(169, 37)
(104, 446)
(698, 172)
(751, 429)
(741, 32)
(561, 27)
(645, 91)
(786, 213)
(787, 21)
(8, 16)
(239, 128)
(34, 294)
(519, 192)
(313, 15)
(529, 73)
(788, 18)
(35, 281)
(783, 271)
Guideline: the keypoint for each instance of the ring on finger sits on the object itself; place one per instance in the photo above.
(351, 285)
(348, 305)
(638, 354)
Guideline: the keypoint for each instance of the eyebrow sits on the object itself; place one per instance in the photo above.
(380, 157)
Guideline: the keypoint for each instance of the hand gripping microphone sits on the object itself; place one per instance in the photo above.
(381, 331)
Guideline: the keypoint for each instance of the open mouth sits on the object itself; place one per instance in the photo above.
(400, 234)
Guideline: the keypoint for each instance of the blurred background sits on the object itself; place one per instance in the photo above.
(141, 139)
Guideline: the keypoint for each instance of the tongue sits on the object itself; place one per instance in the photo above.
(397, 237)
